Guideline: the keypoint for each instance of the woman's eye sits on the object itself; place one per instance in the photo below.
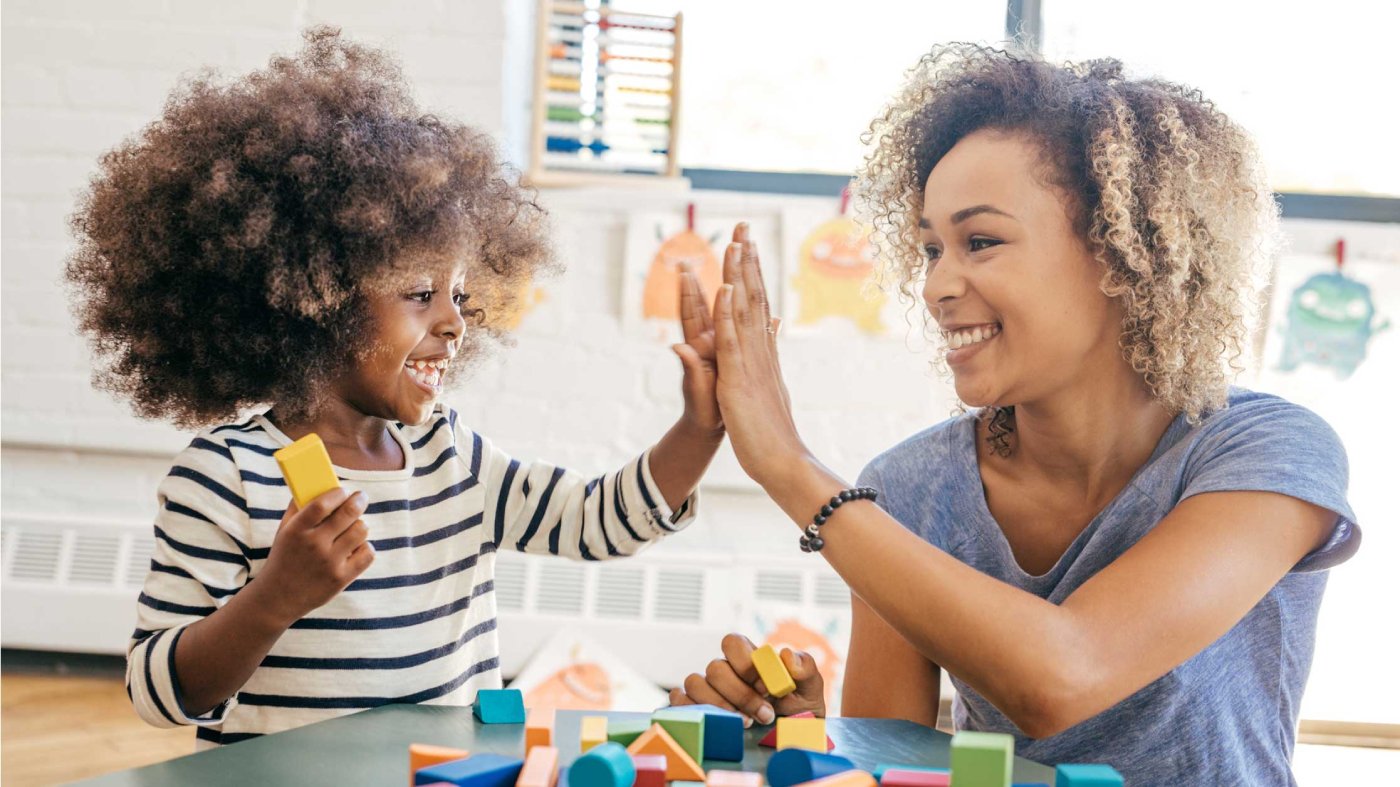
(979, 244)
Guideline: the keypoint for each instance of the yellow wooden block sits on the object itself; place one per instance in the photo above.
(809, 734)
(307, 468)
(592, 731)
(770, 668)
(539, 728)
(423, 755)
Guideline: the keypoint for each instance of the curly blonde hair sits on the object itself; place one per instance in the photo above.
(1166, 191)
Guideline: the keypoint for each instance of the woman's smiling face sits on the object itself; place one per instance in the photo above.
(1013, 287)
(419, 330)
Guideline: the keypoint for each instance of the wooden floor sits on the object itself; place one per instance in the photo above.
(60, 728)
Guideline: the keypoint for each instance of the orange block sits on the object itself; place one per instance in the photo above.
(679, 764)
(541, 768)
(539, 728)
(422, 755)
(722, 778)
(843, 779)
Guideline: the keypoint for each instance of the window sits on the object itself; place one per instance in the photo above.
(1313, 83)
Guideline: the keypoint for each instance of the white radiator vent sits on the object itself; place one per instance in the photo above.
(778, 586)
(36, 557)
(831, 591)
(138, 561)
(679, 595)
(560, 589)
(95, 559)
(510, 586)
(620, 593)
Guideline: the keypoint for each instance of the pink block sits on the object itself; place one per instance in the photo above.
(725, 778)
(771, 739)
(894, 777)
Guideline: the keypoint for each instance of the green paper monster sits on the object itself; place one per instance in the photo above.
(1330, 320)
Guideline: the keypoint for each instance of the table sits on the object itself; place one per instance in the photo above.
(371, 748)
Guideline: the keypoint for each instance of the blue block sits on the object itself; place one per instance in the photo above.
(1087, 776)
(724, 733)
(604, 765)
(798, 766)
(499, 706)
(879, 772)
(482, 770)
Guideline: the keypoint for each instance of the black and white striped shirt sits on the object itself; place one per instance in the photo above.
(420, 624)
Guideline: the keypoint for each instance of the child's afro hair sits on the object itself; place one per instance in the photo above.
(225, 252)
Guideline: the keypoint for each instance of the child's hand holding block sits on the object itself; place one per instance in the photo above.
(307, 468)
(775, 676)
(499, 706)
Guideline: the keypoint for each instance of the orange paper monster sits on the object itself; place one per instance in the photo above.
(833, 264)
(660, 298)
(579, 686)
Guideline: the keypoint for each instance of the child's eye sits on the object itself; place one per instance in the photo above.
(980, 244)
(460, 299)
(422, 296)
(932, 252)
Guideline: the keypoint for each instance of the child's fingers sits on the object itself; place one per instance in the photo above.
(319, 509)
(738, 651)
(351, 537)
(803, 669)
(690, 359)
(722, 686)
(692, 305)
(344, 517)
(361, 559)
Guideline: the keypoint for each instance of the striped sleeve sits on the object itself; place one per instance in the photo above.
(539, 508)
(197, 565)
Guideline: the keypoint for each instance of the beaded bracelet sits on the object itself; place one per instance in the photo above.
(811, 541)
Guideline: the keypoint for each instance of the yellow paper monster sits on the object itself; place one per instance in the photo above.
(833, 264)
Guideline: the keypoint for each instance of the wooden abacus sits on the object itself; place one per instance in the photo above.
(607, 96)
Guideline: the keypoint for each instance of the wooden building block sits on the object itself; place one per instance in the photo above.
(723, 778)
(499, 706)
(900, 777)
(809, 734)
(482, 770)
(686, 726)
(421, 755)
(606, 765)
(679, 765)
(982, 759)
(850, 778)
(724, 733)
(770, 668)
(307, 468)
(539, 729)
(879, 772)
(798, 766)
(541, 767)
(624, 731)
(771, 739)
(592, 731)
(651, 770)
(1077, 775)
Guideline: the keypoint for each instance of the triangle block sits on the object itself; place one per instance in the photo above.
(679, 765)
(771, 739)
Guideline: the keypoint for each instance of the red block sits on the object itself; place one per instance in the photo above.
(771, 739)
(651, 770)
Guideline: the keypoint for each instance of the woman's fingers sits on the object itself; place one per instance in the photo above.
(752, 276)
(728, 357)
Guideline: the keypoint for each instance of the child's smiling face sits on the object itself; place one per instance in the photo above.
(419, 331)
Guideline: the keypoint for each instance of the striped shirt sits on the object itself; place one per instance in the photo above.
(420, 624)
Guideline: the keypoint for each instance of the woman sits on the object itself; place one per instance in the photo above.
(1117, 557)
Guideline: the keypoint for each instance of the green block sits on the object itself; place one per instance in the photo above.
(624, 731)
(982, 759)
(1087, 776)
(686, 726)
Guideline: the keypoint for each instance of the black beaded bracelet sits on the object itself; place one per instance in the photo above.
(811, 540)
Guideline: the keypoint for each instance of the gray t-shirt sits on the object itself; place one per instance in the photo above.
(1228, 715)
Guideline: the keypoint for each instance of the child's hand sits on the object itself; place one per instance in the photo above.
(317, 552)
(732, 682)
(697, 354)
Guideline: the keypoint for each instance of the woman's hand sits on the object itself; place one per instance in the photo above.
(753, 399)
(697, 354)
(732, 682)
(317, 552)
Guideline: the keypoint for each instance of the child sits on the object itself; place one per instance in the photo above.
(305, 238)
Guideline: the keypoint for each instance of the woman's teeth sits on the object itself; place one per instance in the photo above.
(428, 373)
(969, 336)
